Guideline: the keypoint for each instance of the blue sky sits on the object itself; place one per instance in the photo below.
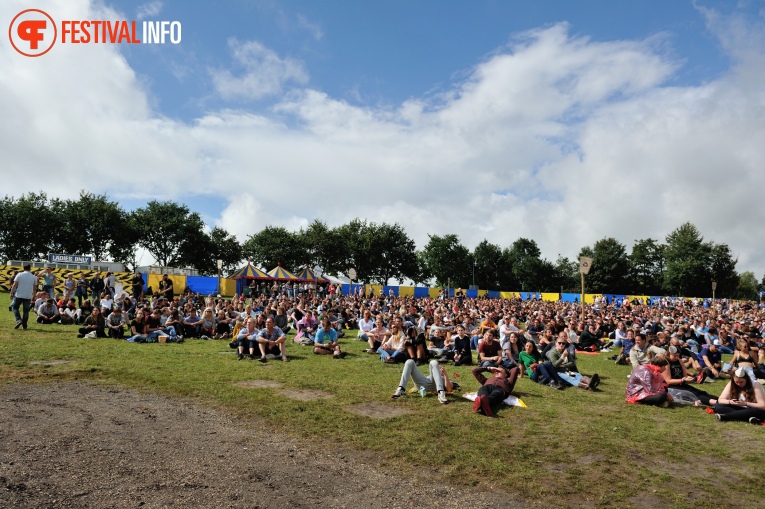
(564, 122)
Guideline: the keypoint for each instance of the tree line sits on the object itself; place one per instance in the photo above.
(683, 264)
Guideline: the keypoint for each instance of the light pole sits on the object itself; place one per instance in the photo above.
(473, 271)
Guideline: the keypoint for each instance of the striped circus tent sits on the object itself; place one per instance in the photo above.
(249, 272)
(281, 274)
(309, 275)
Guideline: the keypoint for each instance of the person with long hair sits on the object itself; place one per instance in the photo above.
(647, 385)
(741, 400)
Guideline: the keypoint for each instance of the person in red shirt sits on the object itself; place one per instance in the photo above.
(495, 389)
(489, 351)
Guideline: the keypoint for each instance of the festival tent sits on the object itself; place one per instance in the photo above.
(248, 272)
(281, 274)
(309, 275)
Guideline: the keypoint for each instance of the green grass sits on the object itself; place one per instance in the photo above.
(571, 447)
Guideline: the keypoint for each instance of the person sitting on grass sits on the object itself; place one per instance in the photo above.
(495, 389)
(48, 312)
(708, 362)
(676, 375)
(741, 400)
(115, 323)
(192, 324)
(539, 370)
(489, 350)
(247, 338)
(393, 349)
(643, 351)
(563, 359)
(69, 313)
(377, 335)
(93, 323)
(326, 340)
(647, 385)
(137, 328)
(437, 380)
(271, 341)
(222, 325)
(463, 355)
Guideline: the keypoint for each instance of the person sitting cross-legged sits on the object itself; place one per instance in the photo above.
(437, 380)
(48, 312)
(326, 340)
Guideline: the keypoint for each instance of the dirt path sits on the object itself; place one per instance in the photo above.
(76, 445)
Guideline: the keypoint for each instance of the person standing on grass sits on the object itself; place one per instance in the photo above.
(326, 340)
(495, 389)
(23, 289)
(49, 282)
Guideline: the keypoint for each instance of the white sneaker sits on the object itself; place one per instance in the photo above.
(400, 391)
(442, 397)
(605, 350)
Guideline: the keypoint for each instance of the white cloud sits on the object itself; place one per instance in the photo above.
(313, 28)
(263, 72)
(556, 138)
(149, 10)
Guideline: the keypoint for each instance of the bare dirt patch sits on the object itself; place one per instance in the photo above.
(377, 411)
(304, 394)
(54, 362)
(74, 445)
(259, 384)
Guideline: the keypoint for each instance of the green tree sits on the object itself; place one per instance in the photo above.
(567, 276)
(275, 245)
(688, 260)
(523, 256)
(448, 260)
(170, 232)
(379, 252)
(423, 276)
(747, 286)
(646, 267)
(723, 270)
(492, 268)
(610, 266)
(28, 227)
(325, 247)
(96, 226)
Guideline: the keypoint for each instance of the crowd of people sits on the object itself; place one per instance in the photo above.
(669, 344)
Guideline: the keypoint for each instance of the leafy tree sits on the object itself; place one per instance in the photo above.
(567, 276)
(325, 247)
(169, 232)
(646, 267)
(723, 270)
(96, 226)
(688, 260)
(273, 246)
(27, 227)
(492, 268)
(747, 286)
(448, 260)
(124, 246)
(526, 264)
(423, 276)
(379, 252)
(217, 245)
(610, 266)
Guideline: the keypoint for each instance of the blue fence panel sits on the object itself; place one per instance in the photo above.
(471, 294)
(421, 291)
(387, 289)
(203, 284)
(493, 294)
(571, 297)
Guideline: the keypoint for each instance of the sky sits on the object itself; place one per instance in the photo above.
(563, 122)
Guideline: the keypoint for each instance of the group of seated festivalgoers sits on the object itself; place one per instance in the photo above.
(670, 350)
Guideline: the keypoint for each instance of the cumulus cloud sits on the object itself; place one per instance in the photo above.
(263, 72)
(554, 137)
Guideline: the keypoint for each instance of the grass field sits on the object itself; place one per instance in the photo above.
(567, 448)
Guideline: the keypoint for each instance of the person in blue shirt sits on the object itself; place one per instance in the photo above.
(325, 342)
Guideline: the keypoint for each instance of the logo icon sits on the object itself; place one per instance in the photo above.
(32, 32)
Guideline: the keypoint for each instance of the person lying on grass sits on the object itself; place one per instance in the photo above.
(741, 400)
(495, 389)
(437, 380)
(326, 340)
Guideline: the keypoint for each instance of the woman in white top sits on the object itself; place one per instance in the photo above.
(393, 349)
